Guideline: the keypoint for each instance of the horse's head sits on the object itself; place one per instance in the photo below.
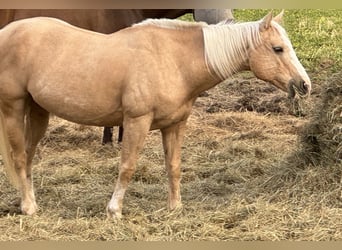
(275, 61)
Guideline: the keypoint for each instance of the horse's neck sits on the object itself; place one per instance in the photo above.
(196, 72)
(191, 54)
(226, 47)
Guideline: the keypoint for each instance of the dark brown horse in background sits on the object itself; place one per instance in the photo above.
(110, 20)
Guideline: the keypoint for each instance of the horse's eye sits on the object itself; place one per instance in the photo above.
(278, 49)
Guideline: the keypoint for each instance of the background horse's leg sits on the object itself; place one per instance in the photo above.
(120, 135)
(133, 141)
(172, 142)
(37, 120)
(107, 135)
(14, 113)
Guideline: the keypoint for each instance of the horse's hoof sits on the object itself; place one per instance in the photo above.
(29, 209)
(113, 214)
(175, 205)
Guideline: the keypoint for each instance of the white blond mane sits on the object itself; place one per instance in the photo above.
(226, 46)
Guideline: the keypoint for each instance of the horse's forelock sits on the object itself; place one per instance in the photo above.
(282, 32)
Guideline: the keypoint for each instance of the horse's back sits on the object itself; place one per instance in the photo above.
(39, 41)
(38, 25)
(102, 20)
(42, 36)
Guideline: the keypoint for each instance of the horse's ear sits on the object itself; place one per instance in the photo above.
(279, 17)
(266, 21)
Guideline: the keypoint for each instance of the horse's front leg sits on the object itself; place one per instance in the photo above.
(172, 142)
(133, 140)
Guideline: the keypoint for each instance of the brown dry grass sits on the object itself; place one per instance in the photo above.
(249, 172)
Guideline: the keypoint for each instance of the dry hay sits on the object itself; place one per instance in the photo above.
(321, 138)
(310, 176)
(246, 93)
(233, 185)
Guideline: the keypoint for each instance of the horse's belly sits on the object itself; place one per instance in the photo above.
(82, 110)
(93, 119)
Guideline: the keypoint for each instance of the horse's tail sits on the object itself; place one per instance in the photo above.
(5, 151)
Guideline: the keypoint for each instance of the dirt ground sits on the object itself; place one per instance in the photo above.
(247, 174)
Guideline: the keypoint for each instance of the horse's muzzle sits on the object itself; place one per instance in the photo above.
(300, 87)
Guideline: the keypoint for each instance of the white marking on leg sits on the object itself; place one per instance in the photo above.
(114, 208)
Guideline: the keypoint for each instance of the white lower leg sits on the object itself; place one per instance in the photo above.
(174, 200)
(114, 208)
(28, 201)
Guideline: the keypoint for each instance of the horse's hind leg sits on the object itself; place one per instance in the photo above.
(23, 144)
(37, 120)
(14, 115)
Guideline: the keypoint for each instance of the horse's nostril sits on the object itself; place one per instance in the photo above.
(303, 86)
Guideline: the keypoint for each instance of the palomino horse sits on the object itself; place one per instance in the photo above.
(108, 21)
(144, 77)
